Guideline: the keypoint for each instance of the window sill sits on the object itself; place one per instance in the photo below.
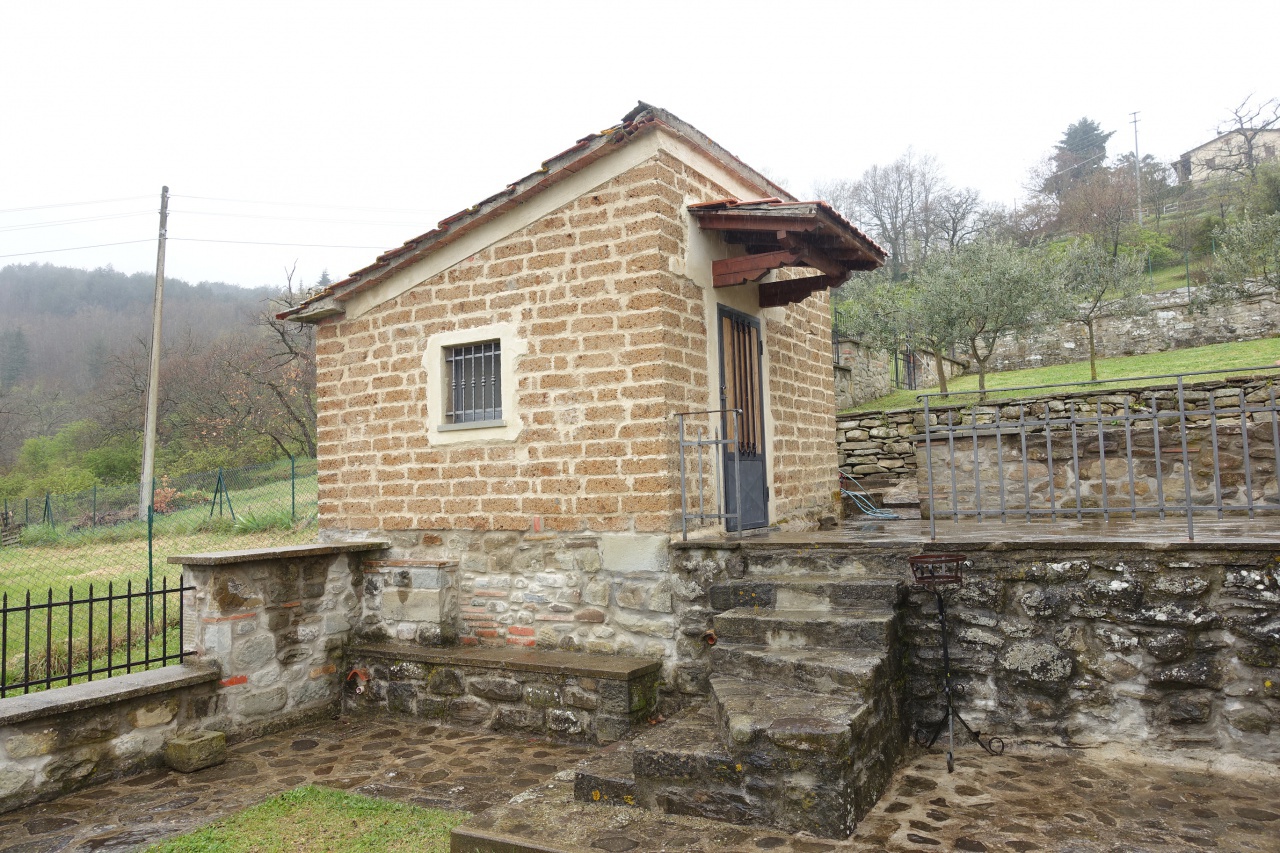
(471, 425)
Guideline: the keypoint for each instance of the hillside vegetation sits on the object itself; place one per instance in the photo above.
(236, 387)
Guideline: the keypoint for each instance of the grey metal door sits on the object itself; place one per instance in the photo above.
(742, 387)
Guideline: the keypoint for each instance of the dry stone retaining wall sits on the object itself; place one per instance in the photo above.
(1167, 648)
(1169, 325)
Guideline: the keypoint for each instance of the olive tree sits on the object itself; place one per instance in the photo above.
(1092, 283)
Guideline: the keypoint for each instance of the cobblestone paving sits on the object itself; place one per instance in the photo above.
(1044, 800)
(1022, 801)
(399, 759)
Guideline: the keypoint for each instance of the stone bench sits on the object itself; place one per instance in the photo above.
(563, 695)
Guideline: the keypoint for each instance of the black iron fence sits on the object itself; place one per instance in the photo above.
(1182, 450)
(55, 547)
(51, 641)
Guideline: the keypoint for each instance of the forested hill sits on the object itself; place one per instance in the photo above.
(59, 324)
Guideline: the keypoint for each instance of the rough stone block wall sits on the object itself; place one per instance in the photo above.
(863, 373)
(1239, 443)
(802, 401)
(587, 706)
(277, 627)
(614, 347)
(1158, 647)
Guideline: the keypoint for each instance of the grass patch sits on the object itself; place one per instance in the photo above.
(1215, 357)
(320, 820)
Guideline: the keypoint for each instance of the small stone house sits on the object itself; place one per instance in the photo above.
(497, 397)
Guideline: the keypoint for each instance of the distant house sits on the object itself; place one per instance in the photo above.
(1232, 151)
(501, 392)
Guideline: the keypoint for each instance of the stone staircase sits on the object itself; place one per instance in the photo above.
(803, 726)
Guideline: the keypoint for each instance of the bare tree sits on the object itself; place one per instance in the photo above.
(1100, 206)
(1242, 130)
(897, 205)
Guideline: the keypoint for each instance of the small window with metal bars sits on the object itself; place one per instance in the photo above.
(474, 372)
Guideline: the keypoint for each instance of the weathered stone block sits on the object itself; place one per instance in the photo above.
(1036, 661)
(446, 682)
(262, 702)
(541, 696)
(31, 744)
(501, 689)
(154, 715)
(193, 751)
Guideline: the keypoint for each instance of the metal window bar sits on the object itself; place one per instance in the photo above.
(84, 657)
(711, 445)
(475, 383)
(1182, 436)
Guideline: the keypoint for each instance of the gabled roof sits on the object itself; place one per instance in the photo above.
(641, 120)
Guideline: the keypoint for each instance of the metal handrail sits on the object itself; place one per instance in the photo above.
(715, 441)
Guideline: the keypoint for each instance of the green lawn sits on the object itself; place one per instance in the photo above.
(60, 559)
(321, 820)
(1218, 356)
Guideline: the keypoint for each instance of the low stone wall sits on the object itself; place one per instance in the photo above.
(58, 740)
(889, 445)
(1169, 325)
(1020, 465)
(1163, 646)
(276, 621)
(264, 633)
(879, 444)
(562, 695)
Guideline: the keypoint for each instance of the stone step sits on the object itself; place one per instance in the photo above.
(842, 628)
(683, 768)
(807, 592)
(815, 670)
(768, 560)
(607, 777)
(759, 715)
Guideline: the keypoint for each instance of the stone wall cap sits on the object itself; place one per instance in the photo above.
(409, 564)
(92, 694)
(250, 555)
(617, 667)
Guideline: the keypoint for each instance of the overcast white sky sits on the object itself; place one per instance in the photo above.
(420, 109)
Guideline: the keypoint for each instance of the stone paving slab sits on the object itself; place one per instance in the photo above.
(1026, 800)
(1051, 800)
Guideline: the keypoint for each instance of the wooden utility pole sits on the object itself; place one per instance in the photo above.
(153, 379)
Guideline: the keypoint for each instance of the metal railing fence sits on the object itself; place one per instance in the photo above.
(57, 642)
(1160, 452)
(69, 542)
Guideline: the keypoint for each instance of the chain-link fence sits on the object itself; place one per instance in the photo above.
(62, 548)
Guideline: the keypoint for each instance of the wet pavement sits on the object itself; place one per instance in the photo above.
(1049, 800)
(395, 758)
(1025, 800)
(1260, 532)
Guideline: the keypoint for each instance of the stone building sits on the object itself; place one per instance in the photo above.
(497, 396)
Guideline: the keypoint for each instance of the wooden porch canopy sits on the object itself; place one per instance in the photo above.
(780, 234)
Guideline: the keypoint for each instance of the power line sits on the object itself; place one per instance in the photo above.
(74, 248)
(72, 204)
(293, 218)
(305, 204)
(267, 243)
(55, 222)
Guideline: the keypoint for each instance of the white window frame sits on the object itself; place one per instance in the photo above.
(439, 384)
